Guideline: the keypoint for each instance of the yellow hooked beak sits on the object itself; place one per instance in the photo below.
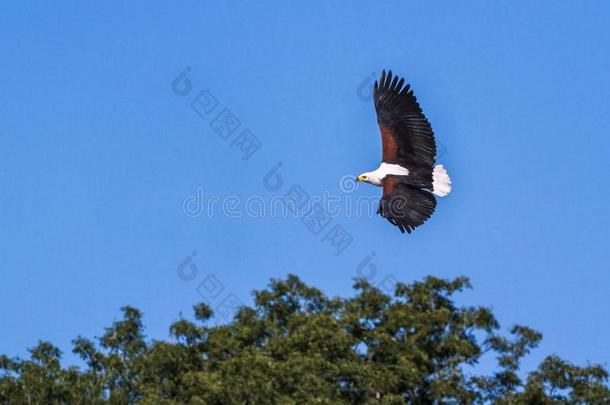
(361, 178)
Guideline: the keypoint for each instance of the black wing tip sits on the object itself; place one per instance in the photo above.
(394, 83)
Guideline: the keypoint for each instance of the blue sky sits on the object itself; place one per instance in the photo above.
(99, 156)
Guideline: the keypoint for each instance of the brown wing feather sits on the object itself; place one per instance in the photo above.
(389, 184)
(388, 142)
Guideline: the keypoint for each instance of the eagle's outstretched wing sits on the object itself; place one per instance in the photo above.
(405, 206)
(406, 134)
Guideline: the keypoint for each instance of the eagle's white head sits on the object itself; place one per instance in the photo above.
(370, 177)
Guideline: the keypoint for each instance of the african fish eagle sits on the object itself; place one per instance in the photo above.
(408, 174)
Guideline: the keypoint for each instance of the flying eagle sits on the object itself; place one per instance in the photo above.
(408, 174)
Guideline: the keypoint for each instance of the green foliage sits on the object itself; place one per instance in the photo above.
(298, 346)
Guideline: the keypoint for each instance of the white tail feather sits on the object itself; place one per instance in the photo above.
(441, 183)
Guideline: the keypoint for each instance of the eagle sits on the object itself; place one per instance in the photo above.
(408, 172)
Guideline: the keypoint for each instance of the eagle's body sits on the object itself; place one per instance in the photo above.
(441, 183)
(408, 173)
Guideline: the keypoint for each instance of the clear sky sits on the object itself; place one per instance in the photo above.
(102, 155)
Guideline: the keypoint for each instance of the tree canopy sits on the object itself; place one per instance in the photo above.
(296, 345)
